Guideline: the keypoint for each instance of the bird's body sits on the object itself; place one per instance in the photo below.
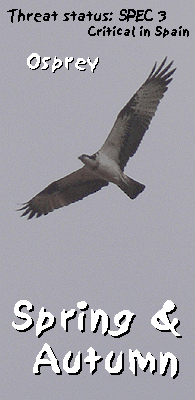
(107, 165)
(103, 167)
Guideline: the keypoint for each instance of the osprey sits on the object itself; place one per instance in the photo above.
(107, 164)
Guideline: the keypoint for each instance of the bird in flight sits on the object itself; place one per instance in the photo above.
(107, 164)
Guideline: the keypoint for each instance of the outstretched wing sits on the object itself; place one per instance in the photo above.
(63, 192)
(134, 119)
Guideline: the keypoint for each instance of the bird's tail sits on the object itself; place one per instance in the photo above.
(131, 187)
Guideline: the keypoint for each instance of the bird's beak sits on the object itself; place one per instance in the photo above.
(80, 158)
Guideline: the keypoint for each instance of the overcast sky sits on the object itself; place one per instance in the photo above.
(114, 253)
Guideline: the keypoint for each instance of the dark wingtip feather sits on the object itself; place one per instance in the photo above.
(161, 73)
(169, 73)
(153, 69)
(25, 207)
(160, 67)
(27, 210)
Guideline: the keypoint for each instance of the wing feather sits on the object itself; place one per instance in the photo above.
(134, 119)
(73, 187)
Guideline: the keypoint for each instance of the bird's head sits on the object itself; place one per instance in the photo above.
(89, 161)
